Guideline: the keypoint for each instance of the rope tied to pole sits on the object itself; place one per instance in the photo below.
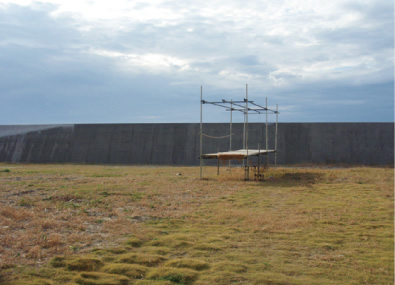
(213, 137)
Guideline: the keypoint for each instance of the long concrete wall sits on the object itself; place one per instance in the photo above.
(178, 144)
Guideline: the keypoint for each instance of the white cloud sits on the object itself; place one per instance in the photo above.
(275, 46)
(148, 61)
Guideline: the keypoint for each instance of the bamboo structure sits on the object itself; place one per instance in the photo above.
(246, 107)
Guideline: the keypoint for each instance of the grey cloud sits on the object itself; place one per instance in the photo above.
(47, 83)
(325, 102)
(249, 60)
(372, 32)
(49, 75)
(367, 39)
(375, 11)
(35, 26)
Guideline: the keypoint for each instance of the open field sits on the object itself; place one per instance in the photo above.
(81, 224)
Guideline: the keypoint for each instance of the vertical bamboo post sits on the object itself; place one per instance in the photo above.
(275, 142)
(201, 132)
(267, 139)
(244, 136)
(247, 120)
(230, 131)
(246, 133)
(259, 154)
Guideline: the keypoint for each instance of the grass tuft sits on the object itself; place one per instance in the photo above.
(58, 261)
(84, 264)
(227, 277)
(160, 250)
(175, 275)
(141, 258)
(99, 278)
(135, 242)
(153, 282)
(134, 271)
(195, 264)
(25, 202)
(207, 247)
(117, 250)
(231, 267)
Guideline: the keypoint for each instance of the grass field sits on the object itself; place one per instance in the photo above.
(81, 224)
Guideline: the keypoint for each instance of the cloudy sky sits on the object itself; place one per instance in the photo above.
(119, 61)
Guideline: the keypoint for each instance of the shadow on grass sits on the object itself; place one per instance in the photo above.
(304, 177)
(291, 179)
(276, 177)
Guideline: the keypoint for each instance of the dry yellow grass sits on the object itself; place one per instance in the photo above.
(68, 224)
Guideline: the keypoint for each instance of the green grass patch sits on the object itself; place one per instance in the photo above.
(141, 258)
(133, 271)
(99, 278)
(84, 264)
(58, 261)
(135, 242)
(175, 275)
(194, 264)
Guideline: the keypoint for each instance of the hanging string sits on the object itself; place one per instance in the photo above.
(212, 137)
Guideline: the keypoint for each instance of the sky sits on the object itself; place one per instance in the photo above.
(86, 61)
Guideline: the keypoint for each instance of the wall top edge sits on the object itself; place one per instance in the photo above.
(109, 124)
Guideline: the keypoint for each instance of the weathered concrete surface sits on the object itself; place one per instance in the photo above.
(39, 144)
(9, 130)
(178, 144)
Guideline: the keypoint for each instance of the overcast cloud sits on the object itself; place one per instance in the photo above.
(133, 62)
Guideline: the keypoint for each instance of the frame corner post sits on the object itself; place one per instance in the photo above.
(275, 142)
(201, 132)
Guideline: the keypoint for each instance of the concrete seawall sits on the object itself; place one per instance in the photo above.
(178, 144)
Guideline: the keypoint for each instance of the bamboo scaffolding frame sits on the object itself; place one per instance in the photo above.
(241, 106)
